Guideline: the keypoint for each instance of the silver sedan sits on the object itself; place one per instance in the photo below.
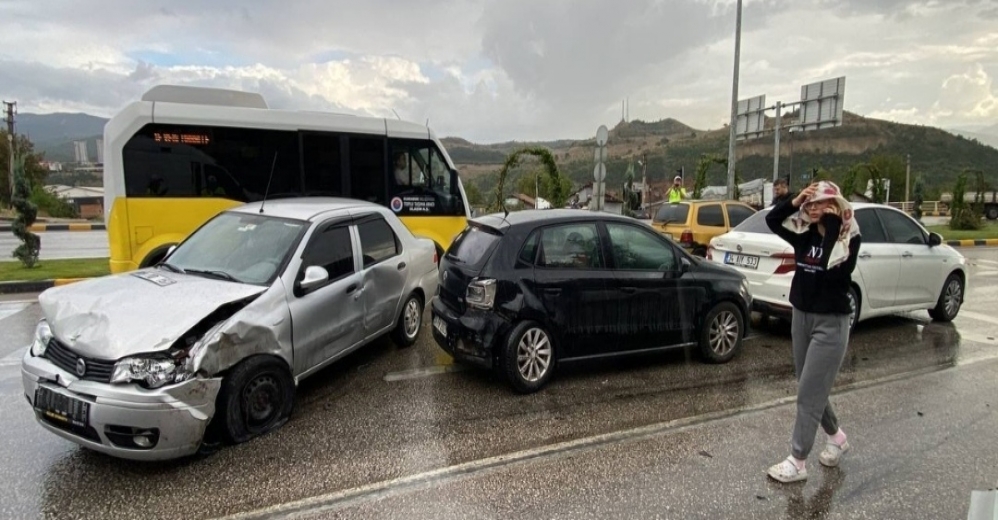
(138, 365)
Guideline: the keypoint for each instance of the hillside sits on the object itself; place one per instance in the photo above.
(937, 156)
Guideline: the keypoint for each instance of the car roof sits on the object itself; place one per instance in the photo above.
(540, 217)
(304, 208)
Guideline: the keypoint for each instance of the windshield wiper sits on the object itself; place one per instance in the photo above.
(222, 275)
(171, 267)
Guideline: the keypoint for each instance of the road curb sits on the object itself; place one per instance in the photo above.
(41, 228)
(35, 286)
(981, 242)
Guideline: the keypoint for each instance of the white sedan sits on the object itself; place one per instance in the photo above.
(901, 266)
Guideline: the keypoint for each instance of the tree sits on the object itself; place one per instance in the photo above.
(557, 195)
(962, 215)
(33, 170)
(474, 194)
(27, 252)
(706, 160)
(919, 199)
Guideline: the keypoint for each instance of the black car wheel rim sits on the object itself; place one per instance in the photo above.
(261, 401)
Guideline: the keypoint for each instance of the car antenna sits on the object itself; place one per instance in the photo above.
(396, 114)
(267, 191)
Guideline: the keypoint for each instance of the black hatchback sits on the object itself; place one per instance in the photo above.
(522, 292)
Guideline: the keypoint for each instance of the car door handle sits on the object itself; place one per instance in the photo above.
(351, 289)
(401, 266)
(907, 254)
(866, 255)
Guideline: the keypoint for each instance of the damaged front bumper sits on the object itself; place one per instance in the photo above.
(473, 337)
(124, 421)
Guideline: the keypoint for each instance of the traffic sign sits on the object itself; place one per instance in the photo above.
(599, 173)
(602, 135)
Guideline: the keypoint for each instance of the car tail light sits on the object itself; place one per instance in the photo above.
(436, 258)
(481, 293)
(788, 263)
(686, 238)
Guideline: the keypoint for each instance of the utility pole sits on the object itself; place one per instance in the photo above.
(9, 108)
(776, 152)
(644, 179)
(734, 104)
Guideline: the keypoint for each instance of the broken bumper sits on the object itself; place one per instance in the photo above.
(124, 421)
(472, 337)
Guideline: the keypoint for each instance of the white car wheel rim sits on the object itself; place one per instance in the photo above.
(723, 333)
(412, 318)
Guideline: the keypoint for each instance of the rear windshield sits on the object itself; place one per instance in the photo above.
(473, 245)
(754, 224)
(672, 213)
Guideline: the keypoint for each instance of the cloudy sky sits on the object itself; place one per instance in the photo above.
(495, 70)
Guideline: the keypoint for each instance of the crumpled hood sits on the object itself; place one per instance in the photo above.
(136, 312)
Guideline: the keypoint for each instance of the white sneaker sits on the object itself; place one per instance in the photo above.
(787, 471)
(832, 453)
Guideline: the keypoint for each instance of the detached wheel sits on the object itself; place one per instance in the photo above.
(256, 397)
(854, 307)
(721, 337)
(409, 323)
(528, 357)
(950, 300)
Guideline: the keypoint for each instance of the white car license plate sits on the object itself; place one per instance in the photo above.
(440, 326)
(739, 260)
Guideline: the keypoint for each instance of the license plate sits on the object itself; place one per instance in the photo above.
(746, 261)
(61, 408)
(440, 326)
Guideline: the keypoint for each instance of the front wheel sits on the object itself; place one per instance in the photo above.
(256, 397)
(721, 337)
(528, 357)
(950, 300)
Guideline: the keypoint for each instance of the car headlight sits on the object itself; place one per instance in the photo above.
(156, 370)
(43, 334)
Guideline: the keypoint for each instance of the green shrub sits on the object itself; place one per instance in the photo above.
(51, 204)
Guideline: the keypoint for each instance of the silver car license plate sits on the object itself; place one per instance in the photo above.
(440, 326)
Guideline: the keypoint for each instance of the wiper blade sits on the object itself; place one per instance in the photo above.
(171, 267)
(215, 274)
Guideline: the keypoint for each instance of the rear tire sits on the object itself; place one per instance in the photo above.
(410, 322)
(721, 337)
(528, 358)
(950, 300)
(854, 307)
(256, 398)
(991, 213)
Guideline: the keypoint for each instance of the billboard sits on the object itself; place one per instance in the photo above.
(751, 118)
(821, 104)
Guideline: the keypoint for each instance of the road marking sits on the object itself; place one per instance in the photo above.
(417, 373)
(14, 358)
(386, 488)
(979, 317)
(985, 273)
(8, 309)
(984, 261)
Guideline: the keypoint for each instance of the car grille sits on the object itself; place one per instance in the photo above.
(97, 370)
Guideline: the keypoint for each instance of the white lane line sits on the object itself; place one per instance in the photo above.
(983, 261)
(14, 358)
(9, 309)
(978, 316)
(338, 499)
(417, 373)
(985, 273)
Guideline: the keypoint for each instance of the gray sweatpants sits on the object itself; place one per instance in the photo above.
(820, 342)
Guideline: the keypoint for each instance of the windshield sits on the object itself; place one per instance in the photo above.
(754, 224)
(672, 213)
(238, 247)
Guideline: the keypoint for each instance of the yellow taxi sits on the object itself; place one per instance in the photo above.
(692, 223)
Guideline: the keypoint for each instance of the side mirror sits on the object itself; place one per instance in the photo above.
(315, 276)
(935, 239)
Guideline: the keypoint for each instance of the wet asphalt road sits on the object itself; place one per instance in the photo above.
(61, 244)
(391, 433)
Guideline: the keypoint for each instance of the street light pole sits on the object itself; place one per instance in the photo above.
(734, 104)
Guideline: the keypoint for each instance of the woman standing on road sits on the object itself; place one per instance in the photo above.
(819, 224)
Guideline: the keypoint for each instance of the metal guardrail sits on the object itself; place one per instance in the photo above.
(934, 208)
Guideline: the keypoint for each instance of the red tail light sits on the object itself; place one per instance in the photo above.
(686, 238)
(787, 263)
(436, 258)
